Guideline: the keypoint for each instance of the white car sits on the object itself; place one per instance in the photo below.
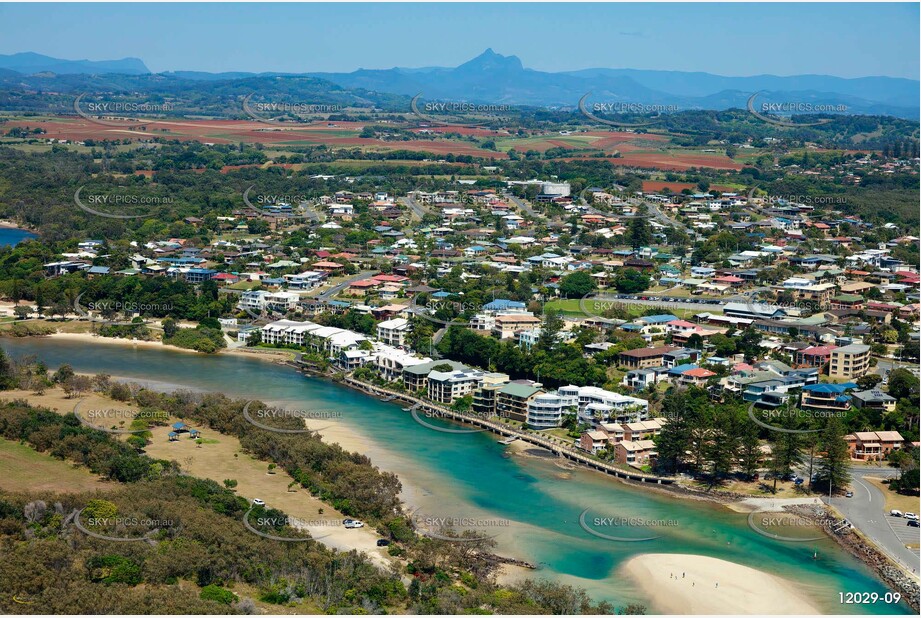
(911, 516)
(354, 523)
(258, 502)
(895, 513)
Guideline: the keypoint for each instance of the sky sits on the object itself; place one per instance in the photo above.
(842, 39)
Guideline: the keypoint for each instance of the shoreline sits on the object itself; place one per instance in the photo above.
(260, 353)
(695, 584)
(413, 494)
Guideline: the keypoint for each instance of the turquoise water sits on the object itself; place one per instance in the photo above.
(10, 236)
(470, 475)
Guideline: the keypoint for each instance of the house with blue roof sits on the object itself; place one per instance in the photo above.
(826, 397)
(501, 304)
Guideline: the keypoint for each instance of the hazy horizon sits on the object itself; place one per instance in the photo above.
(291, 38)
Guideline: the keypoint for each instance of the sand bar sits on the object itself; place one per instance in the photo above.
(691, 584)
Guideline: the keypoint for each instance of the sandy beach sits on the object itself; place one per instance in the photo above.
(691, 584)
(260, 353)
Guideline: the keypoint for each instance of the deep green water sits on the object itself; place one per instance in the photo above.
(470, 475)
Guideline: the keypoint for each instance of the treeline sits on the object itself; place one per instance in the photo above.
(197, 534)
(714, 441)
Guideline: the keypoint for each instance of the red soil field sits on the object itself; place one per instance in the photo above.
(676, 187)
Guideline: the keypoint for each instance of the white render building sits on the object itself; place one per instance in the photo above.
(546, 411)
(597, 405)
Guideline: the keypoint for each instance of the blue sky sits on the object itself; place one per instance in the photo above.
(844, 39)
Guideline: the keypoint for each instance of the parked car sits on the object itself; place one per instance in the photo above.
(383, 542)
(911, 516)
(895, 513)
(354, 523)
(914, 523)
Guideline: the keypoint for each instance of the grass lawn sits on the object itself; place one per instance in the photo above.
(894, 500)
(23, 469)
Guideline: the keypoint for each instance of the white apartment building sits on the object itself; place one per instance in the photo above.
(546, 411)
(598, 405)
(393, 332)
(448, 386)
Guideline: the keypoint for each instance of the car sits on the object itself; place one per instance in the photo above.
(895, 513)
(849, 494)
(258, 502)
(911, 516)
(914, 523)
(354, 523)
(383, 542)
(798, 481)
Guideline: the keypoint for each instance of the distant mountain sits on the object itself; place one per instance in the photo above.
(489, 78)
(30, 62)
(494, 78)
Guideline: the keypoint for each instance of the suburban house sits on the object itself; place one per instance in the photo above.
(643, 358)
(869, 445)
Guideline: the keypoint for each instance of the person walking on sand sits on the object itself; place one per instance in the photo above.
(682, 574)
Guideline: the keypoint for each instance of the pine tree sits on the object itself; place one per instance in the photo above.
(833, 468)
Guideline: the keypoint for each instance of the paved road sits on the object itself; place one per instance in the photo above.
(415, 208)
(666, 220)
(883, 367)
(365, 274)
(523, 206)
(866, 511)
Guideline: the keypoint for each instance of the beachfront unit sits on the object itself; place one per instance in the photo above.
(596, 405)
(512, 399)
(393, 332)
(546, 410)
(849, 362)
(449, 386)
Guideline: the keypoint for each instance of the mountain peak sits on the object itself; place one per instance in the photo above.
(491, 61)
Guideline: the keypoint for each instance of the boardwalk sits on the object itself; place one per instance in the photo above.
(511, 432)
